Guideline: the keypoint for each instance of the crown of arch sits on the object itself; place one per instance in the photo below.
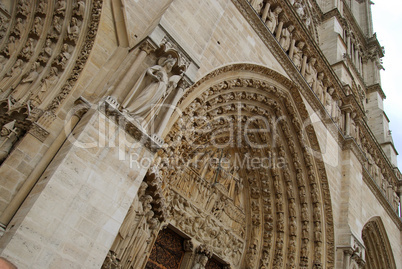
(239, 172)
(378, 249)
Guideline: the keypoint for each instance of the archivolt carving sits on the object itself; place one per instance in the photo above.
(48, 39)
(378, 250)
(281, 201)
(45, 48)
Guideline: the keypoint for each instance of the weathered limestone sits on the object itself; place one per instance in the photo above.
(262, 111)
(73, 208)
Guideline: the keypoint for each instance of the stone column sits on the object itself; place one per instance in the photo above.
(304, 63)
(265, 12)
(346, 258)
(171, 107)
(81, 108)
(279, 30)
(347, 123)
(127, 82)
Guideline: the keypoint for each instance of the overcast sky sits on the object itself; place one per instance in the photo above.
(387, 20)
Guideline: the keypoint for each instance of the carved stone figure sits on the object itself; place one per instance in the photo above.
(33, 75)
(73, 29)
(47, 51)
(79, 8)
(299, 7)
(298, 55)
(42, 7)
(11, 46)
(23, 7)
(37, 29)
(272, 19)
(61, 6)
(149, 90)
(57, 25)
(286, 37)
(19, 27)
(311, 72)
(200, 262)
(16, 69)
(64, 56)
(47, 83)
(328, 99)
(8, 135)
(319, 87)
(29, 48)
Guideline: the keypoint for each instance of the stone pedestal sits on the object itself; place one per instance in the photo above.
(72, 215)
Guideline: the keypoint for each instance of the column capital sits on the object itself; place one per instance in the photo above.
(147, 46)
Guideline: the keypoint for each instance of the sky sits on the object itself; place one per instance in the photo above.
(387, 22)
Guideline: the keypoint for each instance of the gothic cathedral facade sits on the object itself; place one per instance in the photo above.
(195, 134)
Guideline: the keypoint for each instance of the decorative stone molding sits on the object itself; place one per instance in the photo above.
(219, 100)
(131, 127)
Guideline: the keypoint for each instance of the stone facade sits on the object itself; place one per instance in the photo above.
(195, 134)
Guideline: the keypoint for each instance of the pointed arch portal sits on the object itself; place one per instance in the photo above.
(238, 178)
(239, 174)
(378, 249)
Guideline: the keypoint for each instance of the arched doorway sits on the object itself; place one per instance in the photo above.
(378, 250)
(237, 174)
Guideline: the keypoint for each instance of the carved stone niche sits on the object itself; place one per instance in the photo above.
(154, 96)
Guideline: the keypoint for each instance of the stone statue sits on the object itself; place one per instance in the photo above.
(319, 87)
(16, 69)
(149, 90)
(311, 72)
(328, 99)
(8, 135)
(200, 262)
(286, 37)
(37, 29)
(42, 7)
(298, 55)
(79, 8)
(33, 75)
(73, 29)
(64, 56)
(47, 51)
(299, 7)
(29, 48)
(11, 46)
(19, 27)
(47, 83)
(61, 6)
(272, 19)
(57, 25)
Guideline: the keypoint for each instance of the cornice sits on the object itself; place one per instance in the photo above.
(376, 88)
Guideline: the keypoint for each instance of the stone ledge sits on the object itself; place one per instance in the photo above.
(109, 107)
